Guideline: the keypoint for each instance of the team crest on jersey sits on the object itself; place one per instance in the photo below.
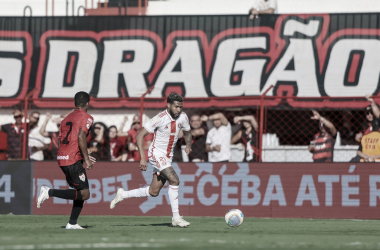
(82, 177)
(166, 127)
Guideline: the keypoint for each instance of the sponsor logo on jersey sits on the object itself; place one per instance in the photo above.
(179, 125)
(62, 157)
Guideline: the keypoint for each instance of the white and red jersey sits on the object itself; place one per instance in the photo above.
(166, 131)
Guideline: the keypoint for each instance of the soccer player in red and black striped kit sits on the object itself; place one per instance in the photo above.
(72, 150)
(322, 146)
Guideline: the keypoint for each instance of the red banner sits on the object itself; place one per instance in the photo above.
(284, 190)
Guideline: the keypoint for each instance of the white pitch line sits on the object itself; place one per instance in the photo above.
(77, 246)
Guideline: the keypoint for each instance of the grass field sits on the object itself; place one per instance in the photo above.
(117, 232)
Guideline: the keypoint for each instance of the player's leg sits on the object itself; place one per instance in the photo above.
(77, 209)
(68, 194)
(79, 177)
(150, 191)
(171, 176)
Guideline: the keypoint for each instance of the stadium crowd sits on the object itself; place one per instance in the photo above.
(212, 136)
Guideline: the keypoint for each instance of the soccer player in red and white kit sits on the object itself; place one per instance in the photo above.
(72, 149)
(166, 127)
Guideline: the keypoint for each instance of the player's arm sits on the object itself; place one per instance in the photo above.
(82, 141)
(140, 145)
(188, 139)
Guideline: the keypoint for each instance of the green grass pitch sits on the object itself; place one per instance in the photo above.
(119, 232)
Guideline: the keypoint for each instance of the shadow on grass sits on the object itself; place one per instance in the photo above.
(145, 225)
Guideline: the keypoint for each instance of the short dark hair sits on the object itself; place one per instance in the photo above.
(113, 126)
(376, 124)
(172, 97)
(81, 98)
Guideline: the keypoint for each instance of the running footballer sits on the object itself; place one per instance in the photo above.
(166, 127)
(72, 150)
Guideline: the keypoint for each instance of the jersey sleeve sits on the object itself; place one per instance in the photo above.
(152, 124)
(86, 123)
(185, 123)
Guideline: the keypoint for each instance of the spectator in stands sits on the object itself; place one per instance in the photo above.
(198, 132)
(131, 144)
(322, 146)
(346, 131)
(246, 135)
(218, 138)
(371, 112)
(99, 142)
(15, 136)
(116, 146)
(37, 142)
(53, 150)
(263, 7)
(369, 149)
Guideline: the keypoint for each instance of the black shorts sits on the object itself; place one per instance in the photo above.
(76, 175)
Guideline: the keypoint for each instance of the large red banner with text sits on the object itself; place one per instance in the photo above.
(287, 190)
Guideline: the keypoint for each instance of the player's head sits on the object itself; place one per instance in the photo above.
(82, 99)
(112, 132)
(195, 121)
(368, 113)
(174, 104)
(376, 124)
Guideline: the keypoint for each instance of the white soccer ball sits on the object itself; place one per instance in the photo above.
(234, 218)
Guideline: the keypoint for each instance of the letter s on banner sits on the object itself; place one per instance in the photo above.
(11, 68)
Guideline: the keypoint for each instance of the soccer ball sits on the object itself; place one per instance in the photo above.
(234, 218)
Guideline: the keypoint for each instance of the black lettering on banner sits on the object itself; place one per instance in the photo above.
(65, 141)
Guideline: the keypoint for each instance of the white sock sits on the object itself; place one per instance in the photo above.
(136, 193)
(173, 197)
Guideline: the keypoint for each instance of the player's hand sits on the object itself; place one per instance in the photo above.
(143, 165)
(368, 97)
(188, 150)
(316, 115)
(90, 162)
(204, 118)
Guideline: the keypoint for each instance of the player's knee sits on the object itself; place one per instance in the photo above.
(154, 193)
(174, 182)
(85, 194)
